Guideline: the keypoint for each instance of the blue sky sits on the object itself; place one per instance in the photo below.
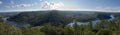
(82, 5)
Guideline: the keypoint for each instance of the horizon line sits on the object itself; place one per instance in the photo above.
(58, 10)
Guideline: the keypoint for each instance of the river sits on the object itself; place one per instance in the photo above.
(93, 22)
(18, 24)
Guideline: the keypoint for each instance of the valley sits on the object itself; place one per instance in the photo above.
(77, 22)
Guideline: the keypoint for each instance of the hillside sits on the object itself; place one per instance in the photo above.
(55, 17)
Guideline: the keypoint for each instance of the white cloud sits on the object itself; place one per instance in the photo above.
(58, 6)
(66, 6)
(41, 0)
(12, 2)
(62, 6)
(109, 9)
(0, 2)
(20, 6)
(46, 5)
(24, 5)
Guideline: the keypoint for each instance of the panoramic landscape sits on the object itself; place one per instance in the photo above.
(59, 17)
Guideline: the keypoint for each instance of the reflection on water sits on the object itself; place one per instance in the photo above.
(93, 22)
(16, 23)
(112, 17)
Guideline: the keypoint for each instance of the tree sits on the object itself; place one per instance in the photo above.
(104, 32)
(6, 29)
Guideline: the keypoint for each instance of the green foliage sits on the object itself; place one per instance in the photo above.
(55, 27)
(104, 32)
(37, 18)
(6, 29)
(32, 31)
(102, 28)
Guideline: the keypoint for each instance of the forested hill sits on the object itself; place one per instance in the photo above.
(56, 17)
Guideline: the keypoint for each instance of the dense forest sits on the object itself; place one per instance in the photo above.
(37, 18)
(55, 23)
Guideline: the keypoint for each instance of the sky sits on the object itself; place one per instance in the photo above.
(81, 5)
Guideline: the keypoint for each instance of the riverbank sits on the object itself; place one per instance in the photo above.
(94, 22)
(17, 24)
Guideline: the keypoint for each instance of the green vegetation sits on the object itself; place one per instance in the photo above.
(102, 28)
(54, 17)
(55, 23)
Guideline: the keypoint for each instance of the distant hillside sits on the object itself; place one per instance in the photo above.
(6, 14)
(55, 17)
